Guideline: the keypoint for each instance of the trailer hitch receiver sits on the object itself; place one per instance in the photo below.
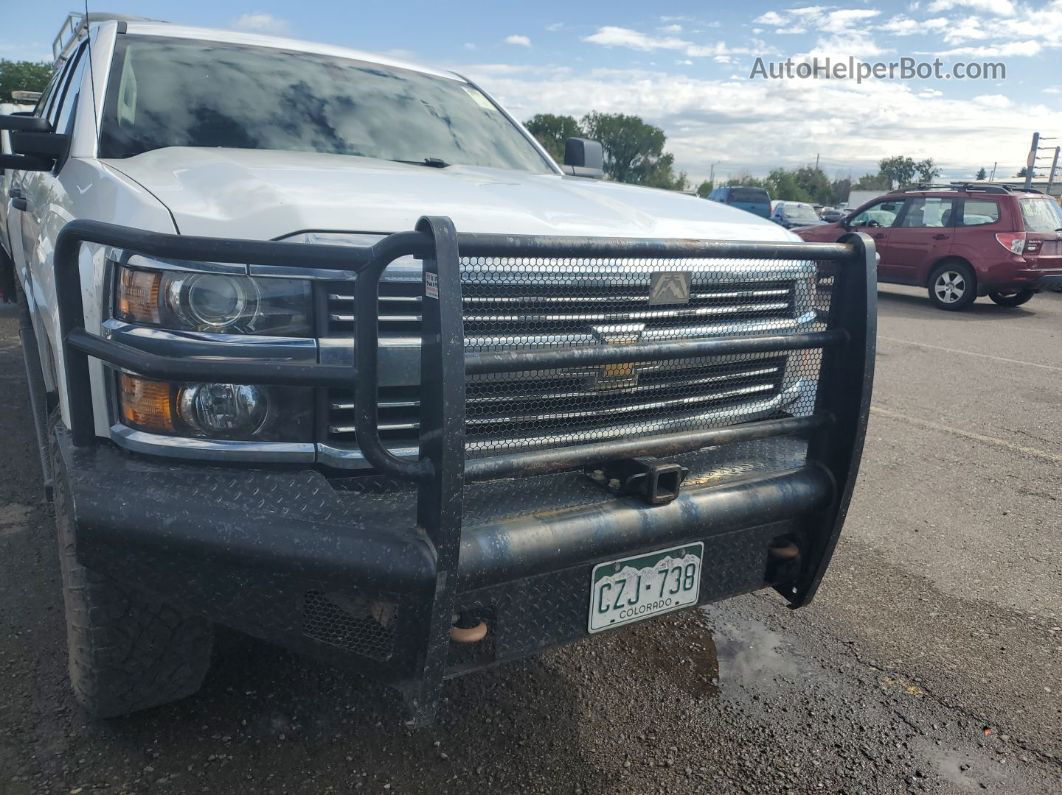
(656, 482)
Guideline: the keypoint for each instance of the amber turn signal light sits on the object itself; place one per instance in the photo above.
(137, 299)
(146, 404)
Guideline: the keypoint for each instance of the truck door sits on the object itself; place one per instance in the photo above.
(922, 236)
(43, 193)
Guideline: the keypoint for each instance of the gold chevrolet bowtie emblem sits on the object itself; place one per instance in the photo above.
(618, 374)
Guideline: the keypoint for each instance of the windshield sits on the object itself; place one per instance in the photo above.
(749, 195)
(183, 92)
(800, 212)
(1041, 215)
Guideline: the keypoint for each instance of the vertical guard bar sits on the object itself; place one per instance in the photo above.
(846, 372)
(442, 442)
(367, 363)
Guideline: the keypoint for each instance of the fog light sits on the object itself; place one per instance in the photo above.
(223, 409)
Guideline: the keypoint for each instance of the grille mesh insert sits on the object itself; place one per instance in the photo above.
(352, 623)
(548, 303)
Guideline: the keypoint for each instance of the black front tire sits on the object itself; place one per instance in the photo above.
(127, 650)
(952, 286)
(1011, 297)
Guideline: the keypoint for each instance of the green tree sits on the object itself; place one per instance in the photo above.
(899, 170)
(662, 174)
(746, 180)
(634, 150)
(981, 175)
(814, 182)
(783, 184)
(704, 189)
(927, 171)
(1022, 172)
(839, 190)
(552, 131)
(873, 182)
(22, 76)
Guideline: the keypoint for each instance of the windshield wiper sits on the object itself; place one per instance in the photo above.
(431, 162)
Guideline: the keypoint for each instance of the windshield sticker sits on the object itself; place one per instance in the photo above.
(431, 285)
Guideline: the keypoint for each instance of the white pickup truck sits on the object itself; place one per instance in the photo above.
(324, 347)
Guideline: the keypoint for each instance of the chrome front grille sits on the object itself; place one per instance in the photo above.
(547, 411)
(551, 303)
(494, 311)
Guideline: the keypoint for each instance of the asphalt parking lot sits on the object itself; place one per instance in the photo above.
(930, 662)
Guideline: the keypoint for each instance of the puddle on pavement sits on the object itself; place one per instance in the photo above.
(971, 771)
(709, 651)
(14, 518)
(747, 651)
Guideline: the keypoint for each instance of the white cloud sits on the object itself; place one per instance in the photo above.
(553, 27)
(844, 31)
(1000, 7)
(469, 45)
(967, 29)
(672, 28)
(518, 40)
(908, 26)
(1004, 50)
(772, 18)
(1001, 28)
(846, 18)
(611, 36)
(261, 22)
(998, 101)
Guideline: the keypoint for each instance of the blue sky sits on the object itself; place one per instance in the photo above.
(685, 66)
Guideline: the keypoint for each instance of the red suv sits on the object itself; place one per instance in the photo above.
(960, 241)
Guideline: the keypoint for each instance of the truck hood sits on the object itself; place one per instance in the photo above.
(262, 194)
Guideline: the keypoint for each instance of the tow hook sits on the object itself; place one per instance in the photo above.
(658, 483)
(467, 628)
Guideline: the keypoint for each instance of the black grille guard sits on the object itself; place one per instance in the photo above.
(835, 430)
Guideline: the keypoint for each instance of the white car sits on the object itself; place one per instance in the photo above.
(203, 222)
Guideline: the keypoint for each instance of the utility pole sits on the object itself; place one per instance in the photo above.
(1054, 168)
(993, 177)
(711, 174)
(816, 161)
(1030, 163)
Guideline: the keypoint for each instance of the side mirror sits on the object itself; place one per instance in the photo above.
(584, 158)
(35, 146)
(24, 122)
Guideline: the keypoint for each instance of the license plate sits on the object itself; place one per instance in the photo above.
(628, 590)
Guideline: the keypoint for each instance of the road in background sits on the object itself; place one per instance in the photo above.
(931, 660)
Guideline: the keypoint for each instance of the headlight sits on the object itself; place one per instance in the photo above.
(216, 411)
(221, 303)
(216, 303)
